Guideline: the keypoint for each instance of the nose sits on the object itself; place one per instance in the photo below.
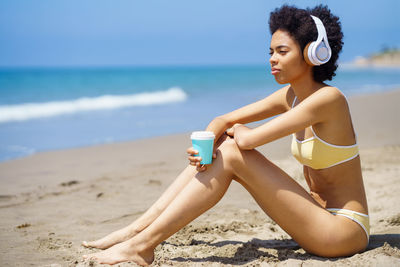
(273, 60)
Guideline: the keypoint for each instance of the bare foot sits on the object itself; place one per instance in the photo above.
(112, 239)
(123, 252)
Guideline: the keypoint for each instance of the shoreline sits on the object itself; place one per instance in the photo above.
(51, 201)
(352, 98)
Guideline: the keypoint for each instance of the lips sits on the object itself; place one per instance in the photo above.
(275, 71)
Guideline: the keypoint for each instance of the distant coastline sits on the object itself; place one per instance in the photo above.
(385, 58)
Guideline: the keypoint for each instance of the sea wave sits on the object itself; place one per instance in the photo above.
(29, 111)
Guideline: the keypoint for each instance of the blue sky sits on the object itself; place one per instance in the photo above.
(174, 32)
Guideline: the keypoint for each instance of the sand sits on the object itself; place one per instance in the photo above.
(51, 201)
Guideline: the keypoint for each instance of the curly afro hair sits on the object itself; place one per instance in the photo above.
(299, 24)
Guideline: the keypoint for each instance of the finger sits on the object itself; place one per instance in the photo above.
(192, 151)
(194, 159)
(203, 167)
(198, 167)
(230, 131)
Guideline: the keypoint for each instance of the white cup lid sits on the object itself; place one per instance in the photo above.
(202, 135)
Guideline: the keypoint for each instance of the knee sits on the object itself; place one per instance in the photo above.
(228, 150)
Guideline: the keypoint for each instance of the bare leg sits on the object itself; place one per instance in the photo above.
(206, 189)
(148, 217)
(283, 199)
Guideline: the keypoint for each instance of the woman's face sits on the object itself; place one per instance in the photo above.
(287, 63)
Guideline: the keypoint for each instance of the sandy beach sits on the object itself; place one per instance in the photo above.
(51, 201)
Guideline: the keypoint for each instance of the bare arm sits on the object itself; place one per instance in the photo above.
(272, 105)
(318, 107)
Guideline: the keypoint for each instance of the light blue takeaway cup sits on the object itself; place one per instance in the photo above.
(203, 141)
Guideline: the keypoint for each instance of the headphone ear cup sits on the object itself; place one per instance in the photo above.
(308, 50)
(322, 53)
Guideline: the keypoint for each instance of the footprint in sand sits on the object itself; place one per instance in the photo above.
(154, 182)
(24, 225)
(394, 221)
(70, 183)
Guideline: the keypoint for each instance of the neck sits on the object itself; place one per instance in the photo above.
(305, 86)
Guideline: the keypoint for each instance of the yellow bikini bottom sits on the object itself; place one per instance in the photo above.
(360, 218)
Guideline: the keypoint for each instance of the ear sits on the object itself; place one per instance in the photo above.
(305, 55)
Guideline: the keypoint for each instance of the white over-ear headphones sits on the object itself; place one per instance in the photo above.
(318, 52)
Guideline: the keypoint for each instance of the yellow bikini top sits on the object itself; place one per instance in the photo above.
(319, 154)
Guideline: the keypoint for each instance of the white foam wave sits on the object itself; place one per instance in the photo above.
(29, 111)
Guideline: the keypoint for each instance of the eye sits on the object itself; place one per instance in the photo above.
(283, 52)
(271, 53)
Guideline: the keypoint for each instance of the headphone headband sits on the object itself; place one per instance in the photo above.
(321, 31)
(319, 52)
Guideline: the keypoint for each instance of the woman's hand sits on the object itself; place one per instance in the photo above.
(218, 127)
(195, 160)
(231, 131)
(239, 133)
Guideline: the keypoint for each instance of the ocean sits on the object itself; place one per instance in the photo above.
(49, 109)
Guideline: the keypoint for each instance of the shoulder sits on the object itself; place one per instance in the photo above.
(285, 92)
(325, 95)
(329, 101)
(286, 97)
(329, 96)
(280, 99)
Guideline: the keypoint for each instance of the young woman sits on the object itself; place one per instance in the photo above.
(331, 219)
